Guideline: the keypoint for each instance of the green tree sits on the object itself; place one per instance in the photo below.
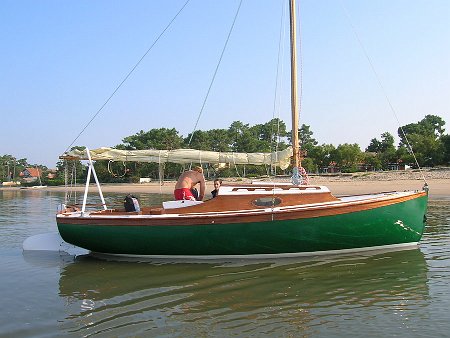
(306, 139)
(10, 167)
(429, 125)
(309, 165)
(348, 157)
(374, 146)
(425, 139)
(242, 138)
(200, 140)
(161, 138)
(427, 149)
(445, 140)
(386, 143)
(270, 135)
(219, 140)
(322, 155)
(384, 150)
(372, 159)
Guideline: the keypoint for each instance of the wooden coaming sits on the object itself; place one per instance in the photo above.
(245, 202)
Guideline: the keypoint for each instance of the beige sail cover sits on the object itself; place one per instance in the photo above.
(184, 156)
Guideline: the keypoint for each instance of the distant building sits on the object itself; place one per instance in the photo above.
(331, 169)
(398, 166)
(30, 174)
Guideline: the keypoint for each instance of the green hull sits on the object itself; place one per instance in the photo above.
(389, 225)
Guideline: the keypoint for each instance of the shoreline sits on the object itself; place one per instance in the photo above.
(438, 180)
(342, 184)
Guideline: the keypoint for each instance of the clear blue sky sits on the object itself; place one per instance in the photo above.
(60, 61)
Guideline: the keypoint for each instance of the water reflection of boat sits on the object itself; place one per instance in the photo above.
(119, 292)
(46, 259)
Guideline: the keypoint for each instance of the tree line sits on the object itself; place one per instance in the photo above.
(427, 138)
(11, 167)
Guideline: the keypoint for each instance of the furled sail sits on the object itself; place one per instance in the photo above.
(183, 156)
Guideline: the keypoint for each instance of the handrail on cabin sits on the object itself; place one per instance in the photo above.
(270, 188)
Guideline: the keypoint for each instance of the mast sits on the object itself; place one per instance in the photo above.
(294, 97)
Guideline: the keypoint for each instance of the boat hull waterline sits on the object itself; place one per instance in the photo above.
(307, 229)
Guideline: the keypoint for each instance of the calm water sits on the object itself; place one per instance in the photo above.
(403, 293)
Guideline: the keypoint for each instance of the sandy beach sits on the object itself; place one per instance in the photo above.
(339, 184)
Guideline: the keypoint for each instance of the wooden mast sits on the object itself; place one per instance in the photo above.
(294, 97)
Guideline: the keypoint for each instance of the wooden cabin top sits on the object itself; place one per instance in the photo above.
(257, 196)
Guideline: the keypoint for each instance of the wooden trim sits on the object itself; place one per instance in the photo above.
(248, 216)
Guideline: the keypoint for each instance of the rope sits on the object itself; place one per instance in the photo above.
(382, 89)
(235, 166)
(128, 75)
(73, 182)
(215, 73)
(66, 182)
(117, 175)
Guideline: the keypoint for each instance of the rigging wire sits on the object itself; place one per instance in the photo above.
(277, 99)
(382, 87)
(300, 61)
(215, 72)
(66, 181)
(278, 77)
(129, 74)
(72, 184)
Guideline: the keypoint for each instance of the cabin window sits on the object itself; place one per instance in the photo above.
(267, 201)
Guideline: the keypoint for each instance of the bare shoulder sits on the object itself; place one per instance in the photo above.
(196, 176)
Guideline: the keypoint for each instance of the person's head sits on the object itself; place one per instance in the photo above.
(217, 183)
(198, 169)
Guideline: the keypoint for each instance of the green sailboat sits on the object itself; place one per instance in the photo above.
(248, 220)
